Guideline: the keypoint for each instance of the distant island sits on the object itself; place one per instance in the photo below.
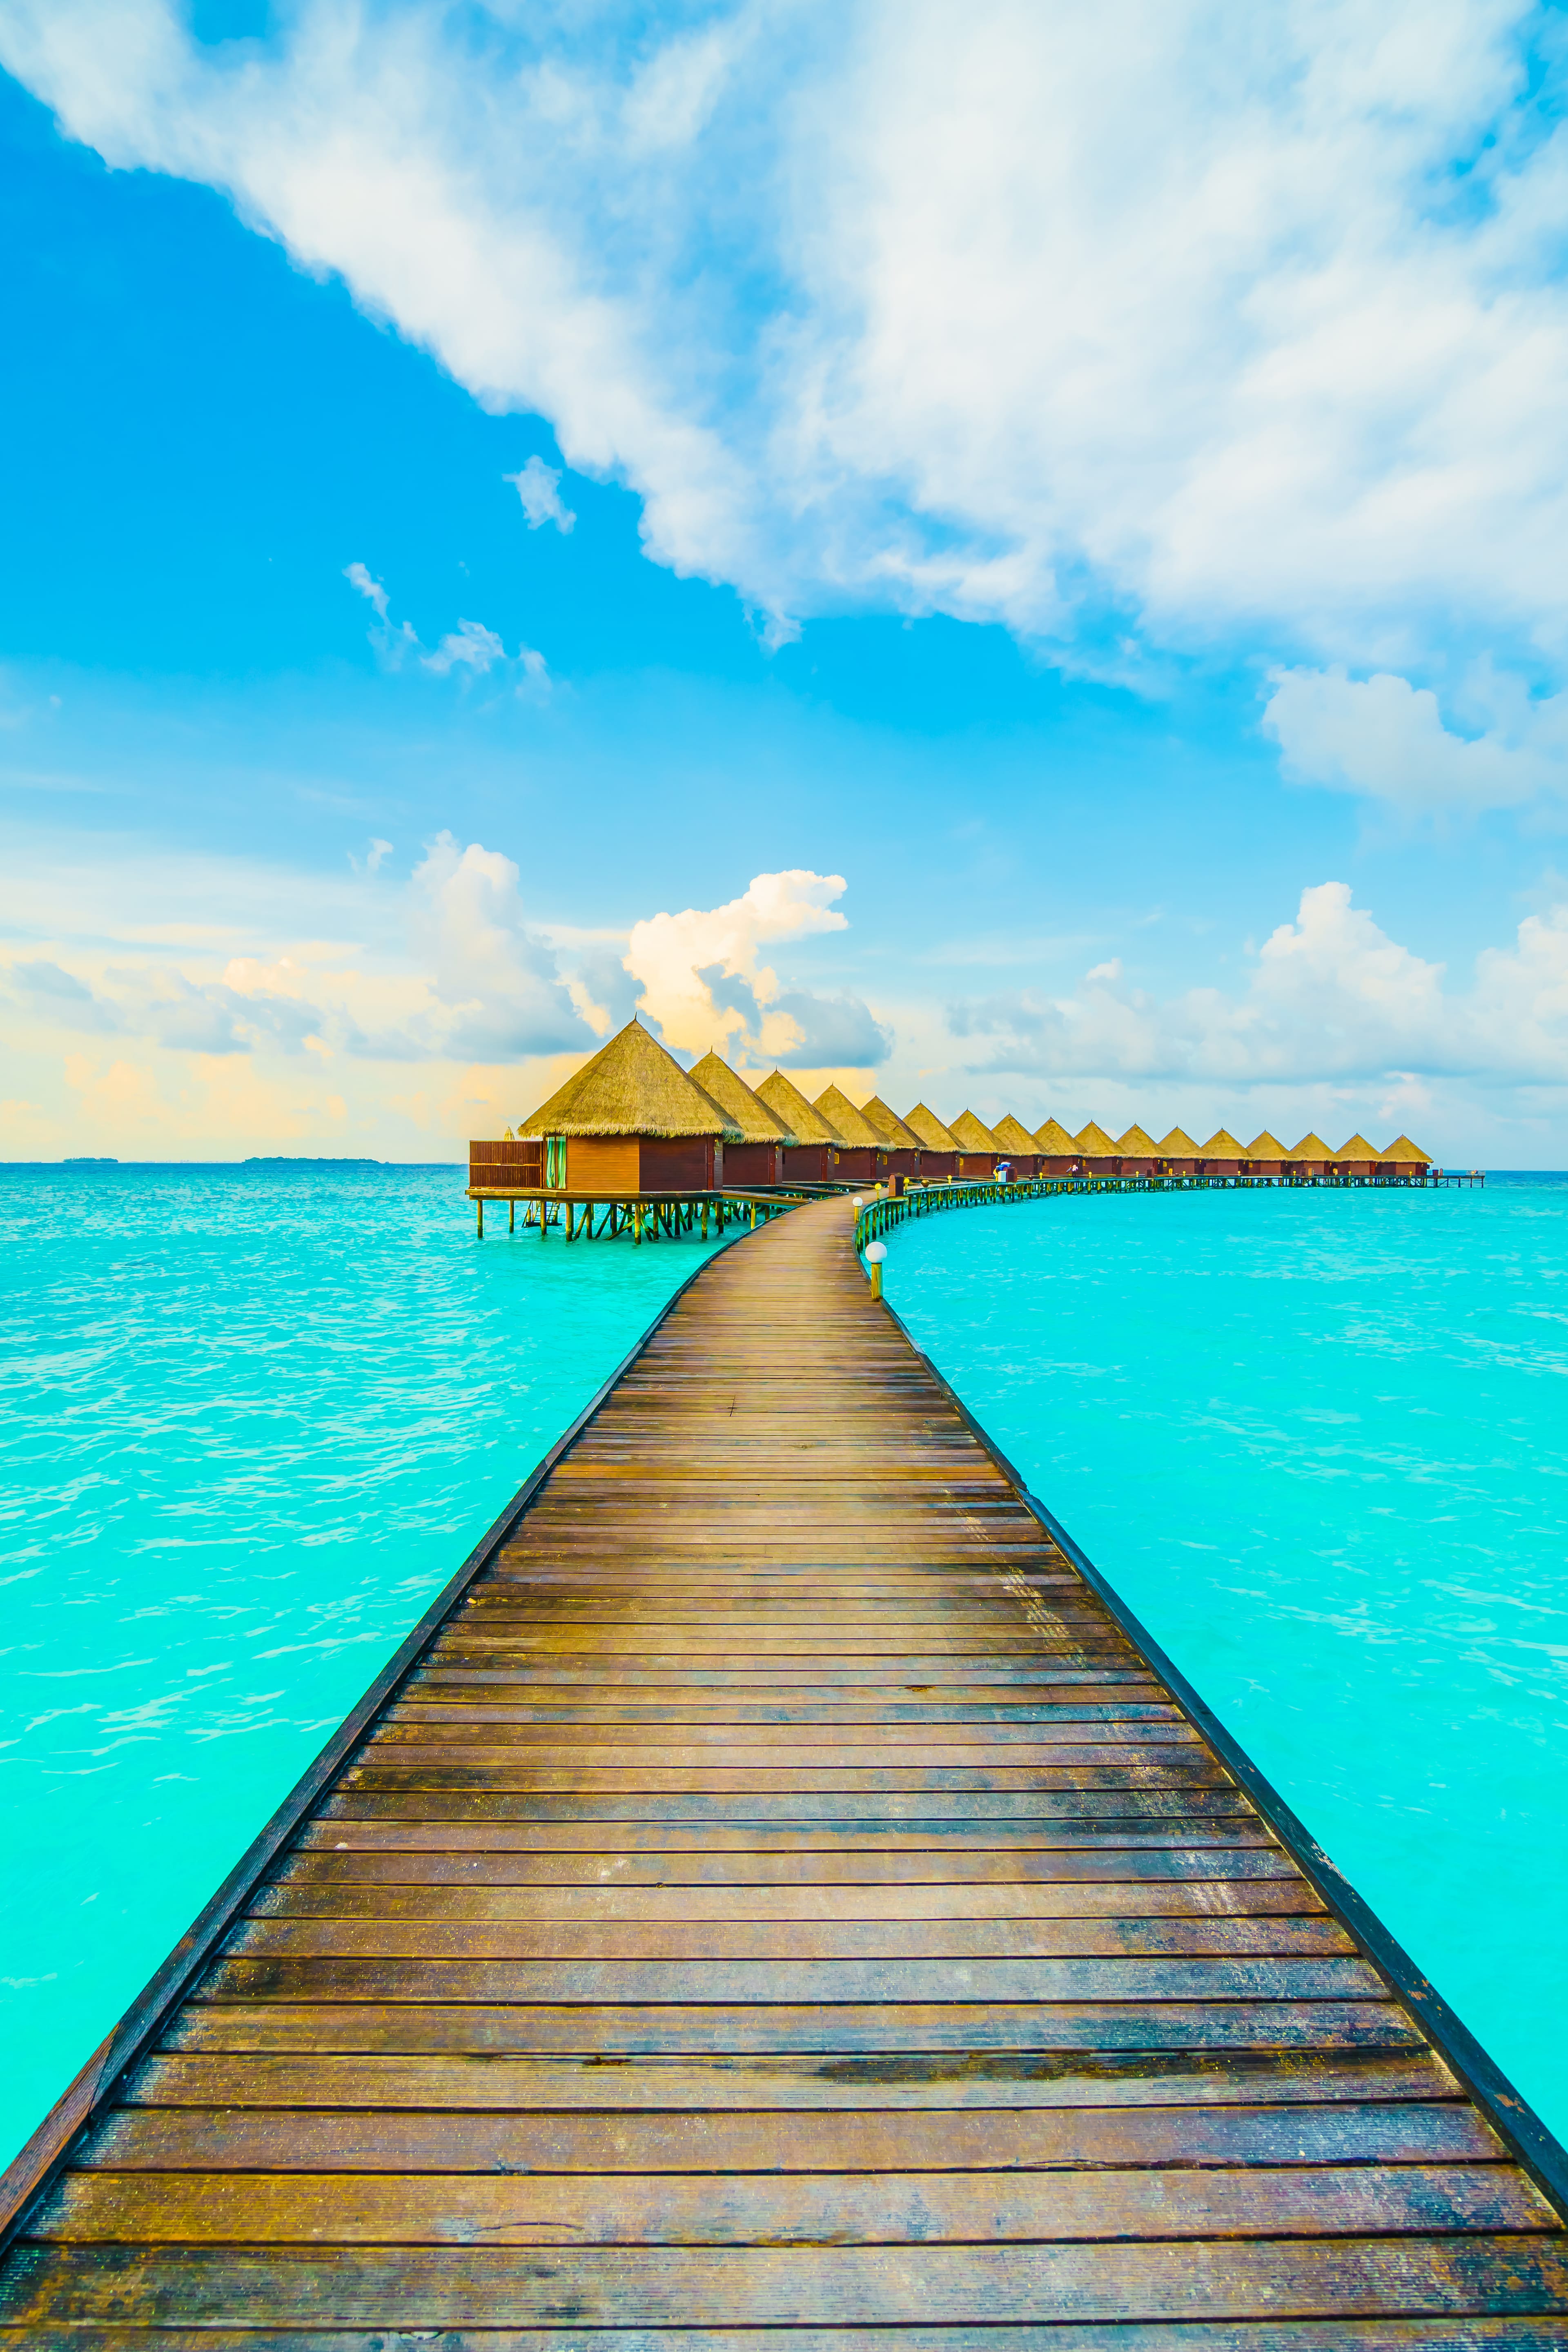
(289, 1160)
(85, 1159)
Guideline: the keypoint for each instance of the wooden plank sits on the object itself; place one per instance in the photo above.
(449, 1939)
(780, 1983)
(701, 2140)
(749, 2209)
(643, 2287)
(847, 2029)
(770, 2081)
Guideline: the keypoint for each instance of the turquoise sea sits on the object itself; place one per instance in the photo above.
(1316, 1440)
(255, 1416)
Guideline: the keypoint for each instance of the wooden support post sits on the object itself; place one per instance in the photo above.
(511, 1216)
(481, 1207)
(704, 1216)
(544, 1219)
(754, 1216)
(570, 1221)
(637, 1216)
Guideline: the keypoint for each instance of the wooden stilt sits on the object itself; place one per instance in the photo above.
(511, 1216)
(636, 1213)
(481, 1207)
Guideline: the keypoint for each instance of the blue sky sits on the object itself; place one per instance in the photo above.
(1015, 561)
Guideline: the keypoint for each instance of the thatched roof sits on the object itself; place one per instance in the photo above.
(1054, 1141)
(1358, 1148)
(970, 1134)
(1405, 1154)
(1311, 1147)
(853, 1128)
(1013, 1135)
(1177, 1145)
(1221, 1145)
(1094, 1143)
(889, 1127)
(933, 1136)
(632, 1086)
(745, 1111)
(1135, 1144)
(790, 1106)
(1267, 1147)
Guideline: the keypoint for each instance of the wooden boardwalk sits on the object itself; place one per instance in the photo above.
(781, 1895)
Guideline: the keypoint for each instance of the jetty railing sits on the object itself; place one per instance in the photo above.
(885, 1210)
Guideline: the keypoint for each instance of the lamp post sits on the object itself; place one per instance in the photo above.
(875, 1252)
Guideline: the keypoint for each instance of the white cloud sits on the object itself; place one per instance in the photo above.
(471, 645)
(1385, 738)
(1330, 1000)
(371, 588)
(499, 985)
(701, 981)
(539, 488)
(1226, 319)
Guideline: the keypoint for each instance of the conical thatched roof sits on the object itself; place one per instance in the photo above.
(790, 1106)
(1311, 1147)
(1267, 1147)
(970, 1134)
(1405, 1154)
(746, 1112)
(889, 1127)
(1221, 1145)
(1177, 1145)
(1013, 1135)
(1094, 1143)
(1135, 1144)
(632, 1086)
(1054, 1141)
(1358, 1148)
(853, 1128)
(933, 1136)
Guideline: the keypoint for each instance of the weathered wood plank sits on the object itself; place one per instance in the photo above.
(700, 2140)
(817, 2287)
(740, 2209)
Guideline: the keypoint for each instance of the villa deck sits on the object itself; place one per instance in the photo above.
(778, 1887)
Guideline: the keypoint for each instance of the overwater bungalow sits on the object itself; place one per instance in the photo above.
(1402, 1161)
(1058, 1154)
(1176, 1154)
(757, 1160)
(1222, 1155)
(1355, 1162)
(1019, 1149)
(1097, 1151)
(631, 1120)
(978, 1150)
(1137, 1151)
(811, 1153)
(862, 1156)
(1264, 1158)
(939, 1145)
(1309, 1159)
(901, 1144)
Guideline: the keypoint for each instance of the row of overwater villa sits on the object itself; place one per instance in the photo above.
(633, 1124)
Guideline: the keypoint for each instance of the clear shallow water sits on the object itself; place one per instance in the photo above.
(252, 1419)
(1316, 1440)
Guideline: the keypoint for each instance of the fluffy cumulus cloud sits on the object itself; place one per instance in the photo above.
(1120, 320)
(703, 982)
(1386, 739)
(1329, 999)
